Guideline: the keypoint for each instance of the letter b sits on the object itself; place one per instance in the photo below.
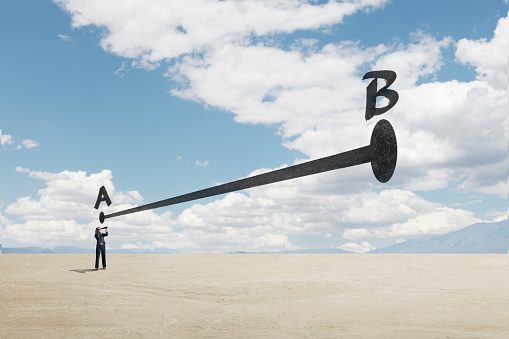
(372, 93)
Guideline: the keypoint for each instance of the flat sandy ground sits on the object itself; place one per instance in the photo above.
(255, 296)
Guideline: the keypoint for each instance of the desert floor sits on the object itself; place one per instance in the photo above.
(255, 296)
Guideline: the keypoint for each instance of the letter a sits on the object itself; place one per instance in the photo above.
(372, 93)
(103, 196)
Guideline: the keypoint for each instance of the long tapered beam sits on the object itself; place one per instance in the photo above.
(381, 153)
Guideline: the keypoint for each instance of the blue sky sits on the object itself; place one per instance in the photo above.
(155, 102)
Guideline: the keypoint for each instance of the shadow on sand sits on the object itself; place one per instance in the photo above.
(84, 270)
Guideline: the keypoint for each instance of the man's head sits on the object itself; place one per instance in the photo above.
(97, 229)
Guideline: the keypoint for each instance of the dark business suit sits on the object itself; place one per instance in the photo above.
(100, 249)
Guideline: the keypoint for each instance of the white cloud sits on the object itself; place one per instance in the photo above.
(5, 139)
(65, 38)
(4, 220)
(451, 130)
(363, 247)
(356, 233)
(202, 163)
(411, 62)
(488, 57)
(68, 195)
(151, 31)
(64, 214)
(498, 215)
(434, 220)
(22, 170)
(258, 221)
(440, 221)
(122, 69)
(129, 246)
(390, 213)
(28, 143)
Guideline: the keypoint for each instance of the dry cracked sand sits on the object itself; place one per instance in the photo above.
(255, 296)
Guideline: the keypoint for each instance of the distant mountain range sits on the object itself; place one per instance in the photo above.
(315, 251)
(75, 250)
(477, 238)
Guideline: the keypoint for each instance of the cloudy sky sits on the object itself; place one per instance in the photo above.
(154, 99)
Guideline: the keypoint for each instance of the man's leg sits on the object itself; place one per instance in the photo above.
(103, 254)
(97, 252)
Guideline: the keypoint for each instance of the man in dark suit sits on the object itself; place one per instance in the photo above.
(100, 248)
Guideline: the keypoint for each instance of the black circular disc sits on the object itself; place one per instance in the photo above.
(385, 150)
(101, 217)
